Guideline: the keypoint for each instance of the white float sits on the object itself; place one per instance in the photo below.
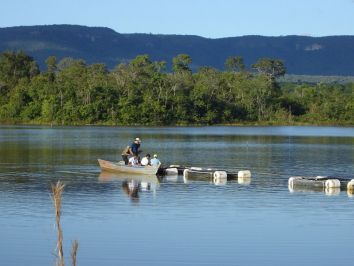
(171, 171)
(350, 185)
(332, 183)
(244, 174)
(292, 180)
(220, 175)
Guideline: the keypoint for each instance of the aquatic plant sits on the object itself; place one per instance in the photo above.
(57, 190)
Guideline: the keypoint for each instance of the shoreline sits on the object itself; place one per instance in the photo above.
(236, 124)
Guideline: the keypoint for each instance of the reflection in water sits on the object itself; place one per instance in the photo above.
(335, 191)
(170, 178)
(244, 180)
(219, 181)
(132, 184)
(131, 188)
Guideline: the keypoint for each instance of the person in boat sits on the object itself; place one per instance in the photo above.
(146, 160)
(135, 147)
(131, 150)
(155, 161)
(133, 161)
(126, 153)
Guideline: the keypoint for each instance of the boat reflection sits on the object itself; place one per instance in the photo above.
(132, 185)
(131, 188)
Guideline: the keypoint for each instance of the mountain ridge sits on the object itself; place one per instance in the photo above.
(302, 55)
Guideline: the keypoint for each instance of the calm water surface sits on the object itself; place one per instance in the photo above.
(175, 221)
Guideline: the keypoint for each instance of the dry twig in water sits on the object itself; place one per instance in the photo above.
(74, 247)
(57, 190)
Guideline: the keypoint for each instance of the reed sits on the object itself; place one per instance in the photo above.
(74, 247)
(57, 190)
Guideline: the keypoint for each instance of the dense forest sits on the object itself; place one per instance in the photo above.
(142, 92)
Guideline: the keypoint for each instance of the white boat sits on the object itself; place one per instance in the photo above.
(120, 167)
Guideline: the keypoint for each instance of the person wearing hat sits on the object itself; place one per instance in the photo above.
(136, 146)
(131, 150)
(154, 161)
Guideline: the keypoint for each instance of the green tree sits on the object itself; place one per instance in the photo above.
(235, 63)
(273, 68)
(51, 63)
(181, 63)
(15, 66)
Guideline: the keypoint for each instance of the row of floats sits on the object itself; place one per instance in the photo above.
(327, 184)
(218, 177)
(330, 185)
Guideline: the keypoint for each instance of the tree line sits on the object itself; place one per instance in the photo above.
(143, 92)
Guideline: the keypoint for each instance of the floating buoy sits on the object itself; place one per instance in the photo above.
(220, 175)
(171, 171)
(332, 183)
(244, 174)
(350, 186)
(292, 180)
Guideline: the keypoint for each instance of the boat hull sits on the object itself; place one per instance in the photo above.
(122, 168)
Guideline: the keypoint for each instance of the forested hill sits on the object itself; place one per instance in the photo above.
(333, 55)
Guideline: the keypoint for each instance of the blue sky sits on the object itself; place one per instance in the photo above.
(208, 18)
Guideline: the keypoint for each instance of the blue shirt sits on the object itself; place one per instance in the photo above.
(135, 148)
(155, 161)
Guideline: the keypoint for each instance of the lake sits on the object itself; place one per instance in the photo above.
(174, 221)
